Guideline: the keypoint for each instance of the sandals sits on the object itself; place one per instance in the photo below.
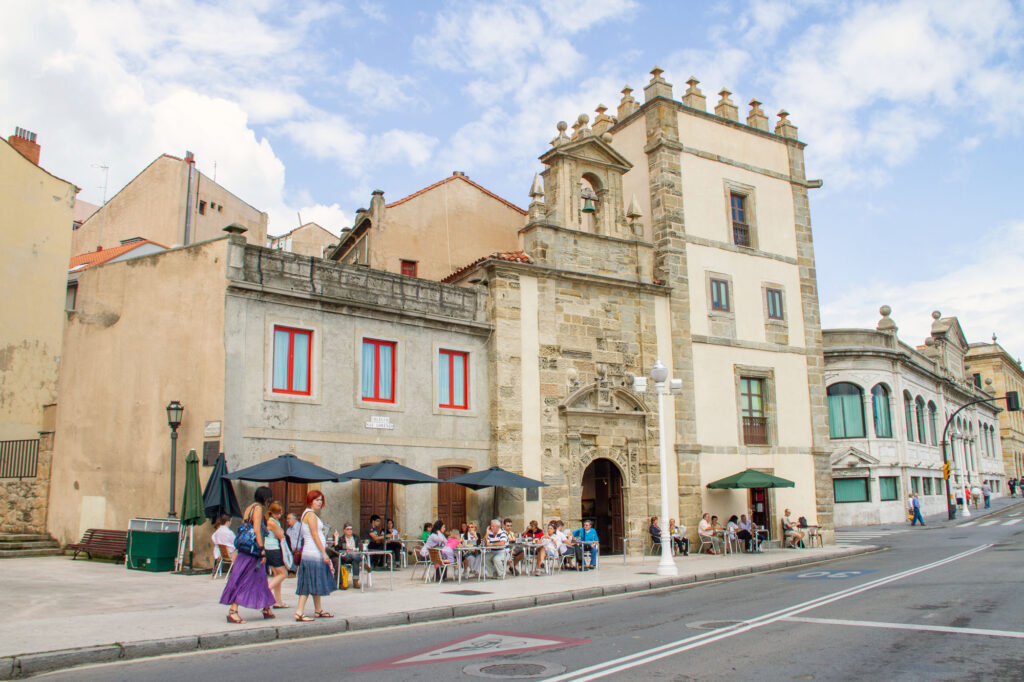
(267, 613)
(280, 606)
(324, 614)
(234, 618)
(303, 618)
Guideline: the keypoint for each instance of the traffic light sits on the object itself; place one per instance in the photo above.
(945, 470)
(1012, 401)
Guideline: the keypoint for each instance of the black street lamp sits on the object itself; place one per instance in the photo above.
(174, 410)
(1012, 405)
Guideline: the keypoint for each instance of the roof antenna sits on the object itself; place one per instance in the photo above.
(215, 171)
(299, 213)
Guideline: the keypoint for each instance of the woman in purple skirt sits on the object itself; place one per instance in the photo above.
(247, 585)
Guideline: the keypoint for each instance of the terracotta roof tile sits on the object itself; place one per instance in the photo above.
(87, 260)
(452, 178)
(511, 256)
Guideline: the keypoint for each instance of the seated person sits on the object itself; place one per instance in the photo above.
(793, 535)
(497, 539)
(533, 531)
(573, 548)
(551, 545)
(654, 530)
(376, 538)
(745, 531)
(346, 545)
(586, 538)
(679, 539)
(223, 535)
(706, 532)
(436, 540)
(426, 531)
(517, 553)
(393, 542)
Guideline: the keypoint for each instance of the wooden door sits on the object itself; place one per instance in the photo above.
(294, 499)
(615, 508)
(451, 498)
(373, 495)
(760, 513)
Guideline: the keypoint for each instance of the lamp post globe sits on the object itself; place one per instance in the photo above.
(659, 375)
(174, 412)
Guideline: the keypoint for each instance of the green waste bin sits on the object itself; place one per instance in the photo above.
(152, 544)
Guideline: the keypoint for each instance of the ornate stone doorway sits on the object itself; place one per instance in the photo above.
(602, 501)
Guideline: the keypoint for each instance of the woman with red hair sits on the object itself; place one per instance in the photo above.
(316, 572)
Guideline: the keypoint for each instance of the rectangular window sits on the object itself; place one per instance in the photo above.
(977, 379)
(755, 425)
(453, 379)
(720, 295)
(888, 488)
(938, 486)
(926, 486)
(202, 208)
(850, 490)
(740, 228)
(774, 303)
(292, 359)
(915, 484)
(378, 371)
(409, 268)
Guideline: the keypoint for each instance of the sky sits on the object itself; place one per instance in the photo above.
(910, 110)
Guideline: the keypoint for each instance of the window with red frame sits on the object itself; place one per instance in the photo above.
(378, 371)
(453, 379)
(292, 358)
(409, 268)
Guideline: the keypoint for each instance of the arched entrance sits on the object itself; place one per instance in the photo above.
(601, 500)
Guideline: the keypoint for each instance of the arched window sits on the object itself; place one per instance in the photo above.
(880, 409)
(933, 422)
(845, 411)
(908, 413)
(922, 435)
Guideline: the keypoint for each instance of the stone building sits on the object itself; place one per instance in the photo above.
(308, 239)
(888, 407)
(666, 232)
(35, 244)
(431, 232)
(992, 367)
(172, 203)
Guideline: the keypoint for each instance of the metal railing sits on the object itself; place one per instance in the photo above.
(740, 233)
(755, 431)
(19, 458)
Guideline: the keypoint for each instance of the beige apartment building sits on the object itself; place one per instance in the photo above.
(431, 232)
(992, 368)
(35, 243)
(308, 239)
(169, 202)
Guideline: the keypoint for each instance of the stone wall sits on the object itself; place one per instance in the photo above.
(23, 500)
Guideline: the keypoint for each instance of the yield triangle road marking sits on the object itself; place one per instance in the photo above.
(490, 643)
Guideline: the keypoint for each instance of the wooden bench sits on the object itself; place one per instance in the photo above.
(101, 541)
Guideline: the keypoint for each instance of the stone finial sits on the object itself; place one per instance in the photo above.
(785, 127)
(693, 97)
(725, 107)
(757, 118)
(561, 138)
(602, 122)
(537, 207)
(537, 188)
(886, 324)
(628, 104)
(994, 338)
(633, 212)
(580, 129)
(658, 87)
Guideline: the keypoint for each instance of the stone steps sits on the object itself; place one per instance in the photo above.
(41, 544)
(22, 553)
(16, 545)
(23, 537)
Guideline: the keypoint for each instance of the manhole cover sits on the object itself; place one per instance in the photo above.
(514, 670)
(712, 624)
(467, 593)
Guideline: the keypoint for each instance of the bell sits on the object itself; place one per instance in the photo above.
(588, 205)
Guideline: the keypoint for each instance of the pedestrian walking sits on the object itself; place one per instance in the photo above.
(915, 505)
(975, 495)
(1012, 483)
(276, 545)
(247, 584)
(316, 572)
(986, 492)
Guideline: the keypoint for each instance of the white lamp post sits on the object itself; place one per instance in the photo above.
(659, 375)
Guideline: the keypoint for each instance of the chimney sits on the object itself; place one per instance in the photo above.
(25, 142)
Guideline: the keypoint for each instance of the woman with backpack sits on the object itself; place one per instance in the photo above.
(247, 584)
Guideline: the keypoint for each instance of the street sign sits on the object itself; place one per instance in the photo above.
(829, 575)
(491, 643)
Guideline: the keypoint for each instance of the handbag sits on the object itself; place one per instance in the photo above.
(344, 577)
(297, 553)
(245, 540)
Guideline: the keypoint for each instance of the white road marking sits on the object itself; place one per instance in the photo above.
(1012, 521)
(969, 523)
(639, 658)
(911, 626)
(987, 523)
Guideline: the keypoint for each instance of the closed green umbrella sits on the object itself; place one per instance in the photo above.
(192, 511)
(751, 478)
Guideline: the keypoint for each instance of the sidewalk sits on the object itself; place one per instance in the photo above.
(62, 613)
(941, 520)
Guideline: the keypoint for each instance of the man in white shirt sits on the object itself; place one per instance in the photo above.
(793, 535)
(497, 557)
(223, 535)
(706, 532)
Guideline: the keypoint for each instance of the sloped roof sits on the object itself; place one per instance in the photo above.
(452, 178)
(83, 209)
(510, 256)
(87, 260)
(303, 225)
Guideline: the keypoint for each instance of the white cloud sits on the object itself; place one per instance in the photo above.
(983, 293)
(378, 88)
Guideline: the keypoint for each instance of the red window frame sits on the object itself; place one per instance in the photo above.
(451, 380)
(377, 343)
(292, 333)
(409, 268)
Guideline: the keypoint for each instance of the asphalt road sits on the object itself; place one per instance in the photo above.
(941, 603)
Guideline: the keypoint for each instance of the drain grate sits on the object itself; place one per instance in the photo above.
(514, 670)
(468, 593)
(712, 624)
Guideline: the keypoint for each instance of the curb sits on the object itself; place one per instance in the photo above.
(26, 665)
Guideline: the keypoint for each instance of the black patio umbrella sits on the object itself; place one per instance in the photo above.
(287, 468)
(390, 471)
(495, 477)
(219, 494)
